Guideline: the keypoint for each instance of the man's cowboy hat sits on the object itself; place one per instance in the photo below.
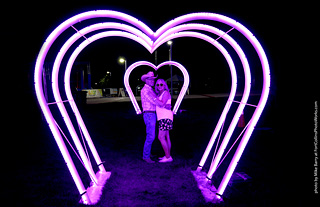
(147, 76)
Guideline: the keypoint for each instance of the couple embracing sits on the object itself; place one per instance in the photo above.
(156, 106)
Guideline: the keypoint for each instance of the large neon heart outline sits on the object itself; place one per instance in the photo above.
(180, 34)
(141, 63)
(128, 35)
(159, 37)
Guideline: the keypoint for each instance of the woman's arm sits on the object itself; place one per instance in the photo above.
(164, 100)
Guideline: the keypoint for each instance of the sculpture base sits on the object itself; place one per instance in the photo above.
(94, 192)
(208, 191)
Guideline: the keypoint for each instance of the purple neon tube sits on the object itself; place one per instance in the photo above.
(38, 82)
(266, 77)
(231, 96)
(60, 56)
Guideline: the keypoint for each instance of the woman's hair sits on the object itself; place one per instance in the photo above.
(166, 88)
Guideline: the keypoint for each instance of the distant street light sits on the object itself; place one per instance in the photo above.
(122, 60)
(169, 43)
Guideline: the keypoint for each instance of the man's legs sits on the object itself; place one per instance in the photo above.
(150, 120)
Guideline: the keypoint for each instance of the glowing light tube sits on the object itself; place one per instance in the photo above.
(266, 77)
(67, 120)
(68, 71)
(38, 82)
(140, 63)
(57, 96)
(265, 89)
(265, 68)
(222, 34)
(193, 17)
(231, 96)
(254, 119)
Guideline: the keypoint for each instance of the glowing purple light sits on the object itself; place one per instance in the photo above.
(68, 90)
(141, 33)
(176, 32)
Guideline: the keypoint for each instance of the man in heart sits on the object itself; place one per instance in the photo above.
(148, 98)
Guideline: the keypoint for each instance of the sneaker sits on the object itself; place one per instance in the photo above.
(149, 160)
(160, 158)
(166, 159)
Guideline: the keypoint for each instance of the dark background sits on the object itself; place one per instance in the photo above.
(285, 31)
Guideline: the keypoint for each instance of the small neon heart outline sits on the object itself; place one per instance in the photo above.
(141, 63)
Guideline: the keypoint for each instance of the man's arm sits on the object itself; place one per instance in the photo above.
(151, 96)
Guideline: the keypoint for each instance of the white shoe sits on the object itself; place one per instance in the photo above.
(165, 159)
(160, 158)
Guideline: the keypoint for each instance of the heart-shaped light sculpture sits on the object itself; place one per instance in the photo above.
(139, 32)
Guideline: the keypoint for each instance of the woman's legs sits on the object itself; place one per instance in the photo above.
(162, 136)
(168, 141)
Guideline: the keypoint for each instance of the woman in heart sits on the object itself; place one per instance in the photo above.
(165, 118)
